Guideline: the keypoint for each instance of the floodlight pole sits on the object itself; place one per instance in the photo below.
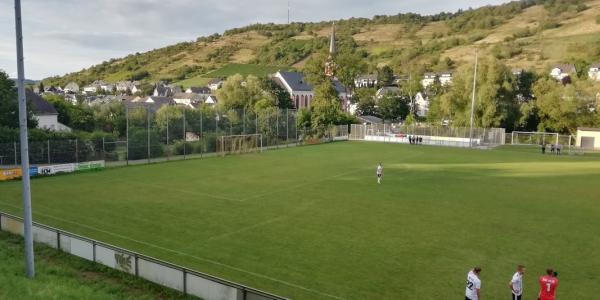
(27, 218)
(473, 97)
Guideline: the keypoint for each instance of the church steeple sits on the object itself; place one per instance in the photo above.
(330, 65)
(332, 40)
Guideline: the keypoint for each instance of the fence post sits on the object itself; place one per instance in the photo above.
(48, 143)
(184, 282)
(127, 134)
(202, 139)
(15, 151)
(184, 135)
(148, 133)
(277, 128)
(103, 149)
(168, 150)
(287, 127)
(244, 121)
(76, 150)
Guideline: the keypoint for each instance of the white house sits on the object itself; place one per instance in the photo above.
(445, 78)
(562, 71)
(45, 114)
(421, 104)
(302, 92)
(366, 81)
(203, 92)
(428, 79)
(594, 72)
(211, 100)
(215, 84)
(71, 87)
(188, 99)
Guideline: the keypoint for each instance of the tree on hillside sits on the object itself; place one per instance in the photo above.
(393, 107)
(110, 117)
(325, 106)
(170, 118)
(41, 87)
(280, 95)
(9, 106)
(385, 76)
(564, 108)
(350, 66)
(239, 92)
(410, 88)
(314, 69)
(365, 102)
(78, 116)
(495, 103)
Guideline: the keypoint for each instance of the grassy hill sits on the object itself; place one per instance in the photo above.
(529, 34)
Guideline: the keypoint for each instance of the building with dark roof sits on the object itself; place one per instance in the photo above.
(45, 114)
(302, 92)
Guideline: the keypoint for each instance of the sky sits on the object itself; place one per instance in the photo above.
(62, 36)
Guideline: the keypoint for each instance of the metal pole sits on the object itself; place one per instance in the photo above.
(473, 98)
(244, 121)
(103, 149)
(287, 127)
(76, 150)
(202, 140)
(277, 127)
(15, 152)
(27, 215)
(127, 133)
(148, 133)
(48, 143)
(184, 137)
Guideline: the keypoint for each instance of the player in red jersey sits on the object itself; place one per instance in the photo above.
(548, 285)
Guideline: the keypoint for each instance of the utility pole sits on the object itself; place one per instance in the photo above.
(27, 216)
(473, 97)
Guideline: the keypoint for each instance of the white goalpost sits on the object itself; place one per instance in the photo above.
(533, 138)
(239, 144)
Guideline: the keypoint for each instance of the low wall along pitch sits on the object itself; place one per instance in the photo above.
(179, 278)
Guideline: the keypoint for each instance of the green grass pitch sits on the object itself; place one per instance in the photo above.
(311, 222)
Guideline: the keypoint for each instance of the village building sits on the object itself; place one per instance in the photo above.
(45, 114)
(594, 72)
(561, 72)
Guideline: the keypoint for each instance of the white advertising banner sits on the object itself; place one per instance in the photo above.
(160, 274)
(209, 290)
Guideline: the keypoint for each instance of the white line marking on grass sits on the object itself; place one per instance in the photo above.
(185, 254)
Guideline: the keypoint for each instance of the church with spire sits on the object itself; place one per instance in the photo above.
(302, 92)
(330, 65)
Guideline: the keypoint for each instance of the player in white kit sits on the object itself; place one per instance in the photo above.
(473, 285)
(379, 173)
(516, 283)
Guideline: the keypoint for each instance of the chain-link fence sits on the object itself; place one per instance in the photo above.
(175, 132)
(429, 135)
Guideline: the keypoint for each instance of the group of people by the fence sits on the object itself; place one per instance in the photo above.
(554, 148)
(415, 140)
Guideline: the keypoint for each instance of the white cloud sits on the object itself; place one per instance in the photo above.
(63, 36)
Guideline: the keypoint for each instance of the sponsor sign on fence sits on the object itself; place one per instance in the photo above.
(10, 174)
(187, 281)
